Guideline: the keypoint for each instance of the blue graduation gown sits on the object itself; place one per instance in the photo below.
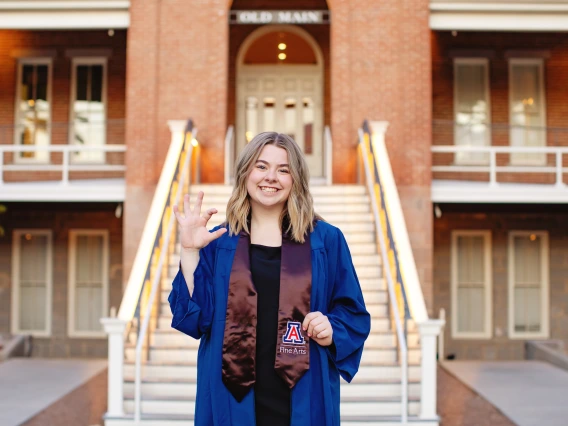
(335, 292)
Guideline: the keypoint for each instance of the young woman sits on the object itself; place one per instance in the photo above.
(273, 296)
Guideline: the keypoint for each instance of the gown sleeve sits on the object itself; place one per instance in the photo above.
(350, 321)
(193, 314)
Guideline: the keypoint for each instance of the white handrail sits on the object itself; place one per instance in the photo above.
(392, 201)
(403, 348)
(154, 289)
(153, 222)
(229, 153)
(328, 156)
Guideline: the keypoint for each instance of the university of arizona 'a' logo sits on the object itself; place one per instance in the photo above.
(293, 335)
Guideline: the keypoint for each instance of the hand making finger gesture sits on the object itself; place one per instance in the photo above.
(193, 230)
(318, 328)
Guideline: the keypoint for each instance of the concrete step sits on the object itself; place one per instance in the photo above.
(188, 371)
(358, 260)
(379, 310)
(371, 355)
(378, 405)
(187, 420)
(378, 325)
(171, 337)
(352, 238)
(187, 388)
(367, 285)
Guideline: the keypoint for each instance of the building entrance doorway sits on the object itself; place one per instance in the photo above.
(280, 89)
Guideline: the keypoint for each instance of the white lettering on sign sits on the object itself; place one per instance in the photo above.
(254, 17)
(279, 17)
(298, 17)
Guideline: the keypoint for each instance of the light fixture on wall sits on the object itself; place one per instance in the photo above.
(281, 56)
(110, 32)
(282, 46)
(437, 211)
(118, 211)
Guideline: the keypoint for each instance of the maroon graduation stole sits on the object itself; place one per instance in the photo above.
(292, 358)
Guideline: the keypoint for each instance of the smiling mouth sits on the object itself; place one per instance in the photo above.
(268, 189)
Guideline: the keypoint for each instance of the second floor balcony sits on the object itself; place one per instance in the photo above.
(51, 161)
(499, 163)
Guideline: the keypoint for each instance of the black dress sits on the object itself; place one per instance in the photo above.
(272, 395)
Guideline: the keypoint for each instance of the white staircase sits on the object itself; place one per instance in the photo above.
(374, 396)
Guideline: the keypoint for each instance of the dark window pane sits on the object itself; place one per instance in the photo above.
(82, 81)
(27, 82)
(97, 83)
(41, 91)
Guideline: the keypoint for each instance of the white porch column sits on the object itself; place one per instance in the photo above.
(429, 331)
(115, 327)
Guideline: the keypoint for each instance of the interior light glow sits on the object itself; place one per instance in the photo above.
(281, 56)
(282, 46)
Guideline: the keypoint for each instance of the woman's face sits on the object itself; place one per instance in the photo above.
(269, 182)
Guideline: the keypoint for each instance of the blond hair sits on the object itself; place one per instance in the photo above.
(298, 213)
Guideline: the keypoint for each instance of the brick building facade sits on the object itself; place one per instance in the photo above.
(380, 60)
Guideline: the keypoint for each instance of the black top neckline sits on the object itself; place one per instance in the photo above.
(268, 247)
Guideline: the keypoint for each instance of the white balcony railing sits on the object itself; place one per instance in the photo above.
(557, 170)
(60, 177)
(65, 167)
(493, 163)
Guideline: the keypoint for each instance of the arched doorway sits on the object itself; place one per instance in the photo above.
(280, 88)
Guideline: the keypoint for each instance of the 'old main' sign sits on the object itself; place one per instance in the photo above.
(257, 17)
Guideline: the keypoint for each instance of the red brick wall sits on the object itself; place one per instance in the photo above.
(16, 43)
(60, 218)
(179, 65)
(177, 69)
(500, 219)
(496, 47)
(380, 70)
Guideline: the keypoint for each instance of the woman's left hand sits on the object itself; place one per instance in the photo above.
(318, 328)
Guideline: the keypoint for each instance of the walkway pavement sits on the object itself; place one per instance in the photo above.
(30, 385)
(530, 393)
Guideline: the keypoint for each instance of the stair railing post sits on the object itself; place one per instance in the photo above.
(429, 331)
(115, 327)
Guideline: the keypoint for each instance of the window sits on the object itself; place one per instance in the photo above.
(528, 284)
(472, 115)
(527, 109)
(88, 109)
(32, 282)
(88, 282)
(33, 108)
(471, 284)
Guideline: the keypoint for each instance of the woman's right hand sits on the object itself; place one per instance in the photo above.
(193, 231)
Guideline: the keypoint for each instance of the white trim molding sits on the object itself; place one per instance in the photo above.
(487, 286)
(498, 15)
(72, 282)
(64, 14)
(544, 287)
(16, 296)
